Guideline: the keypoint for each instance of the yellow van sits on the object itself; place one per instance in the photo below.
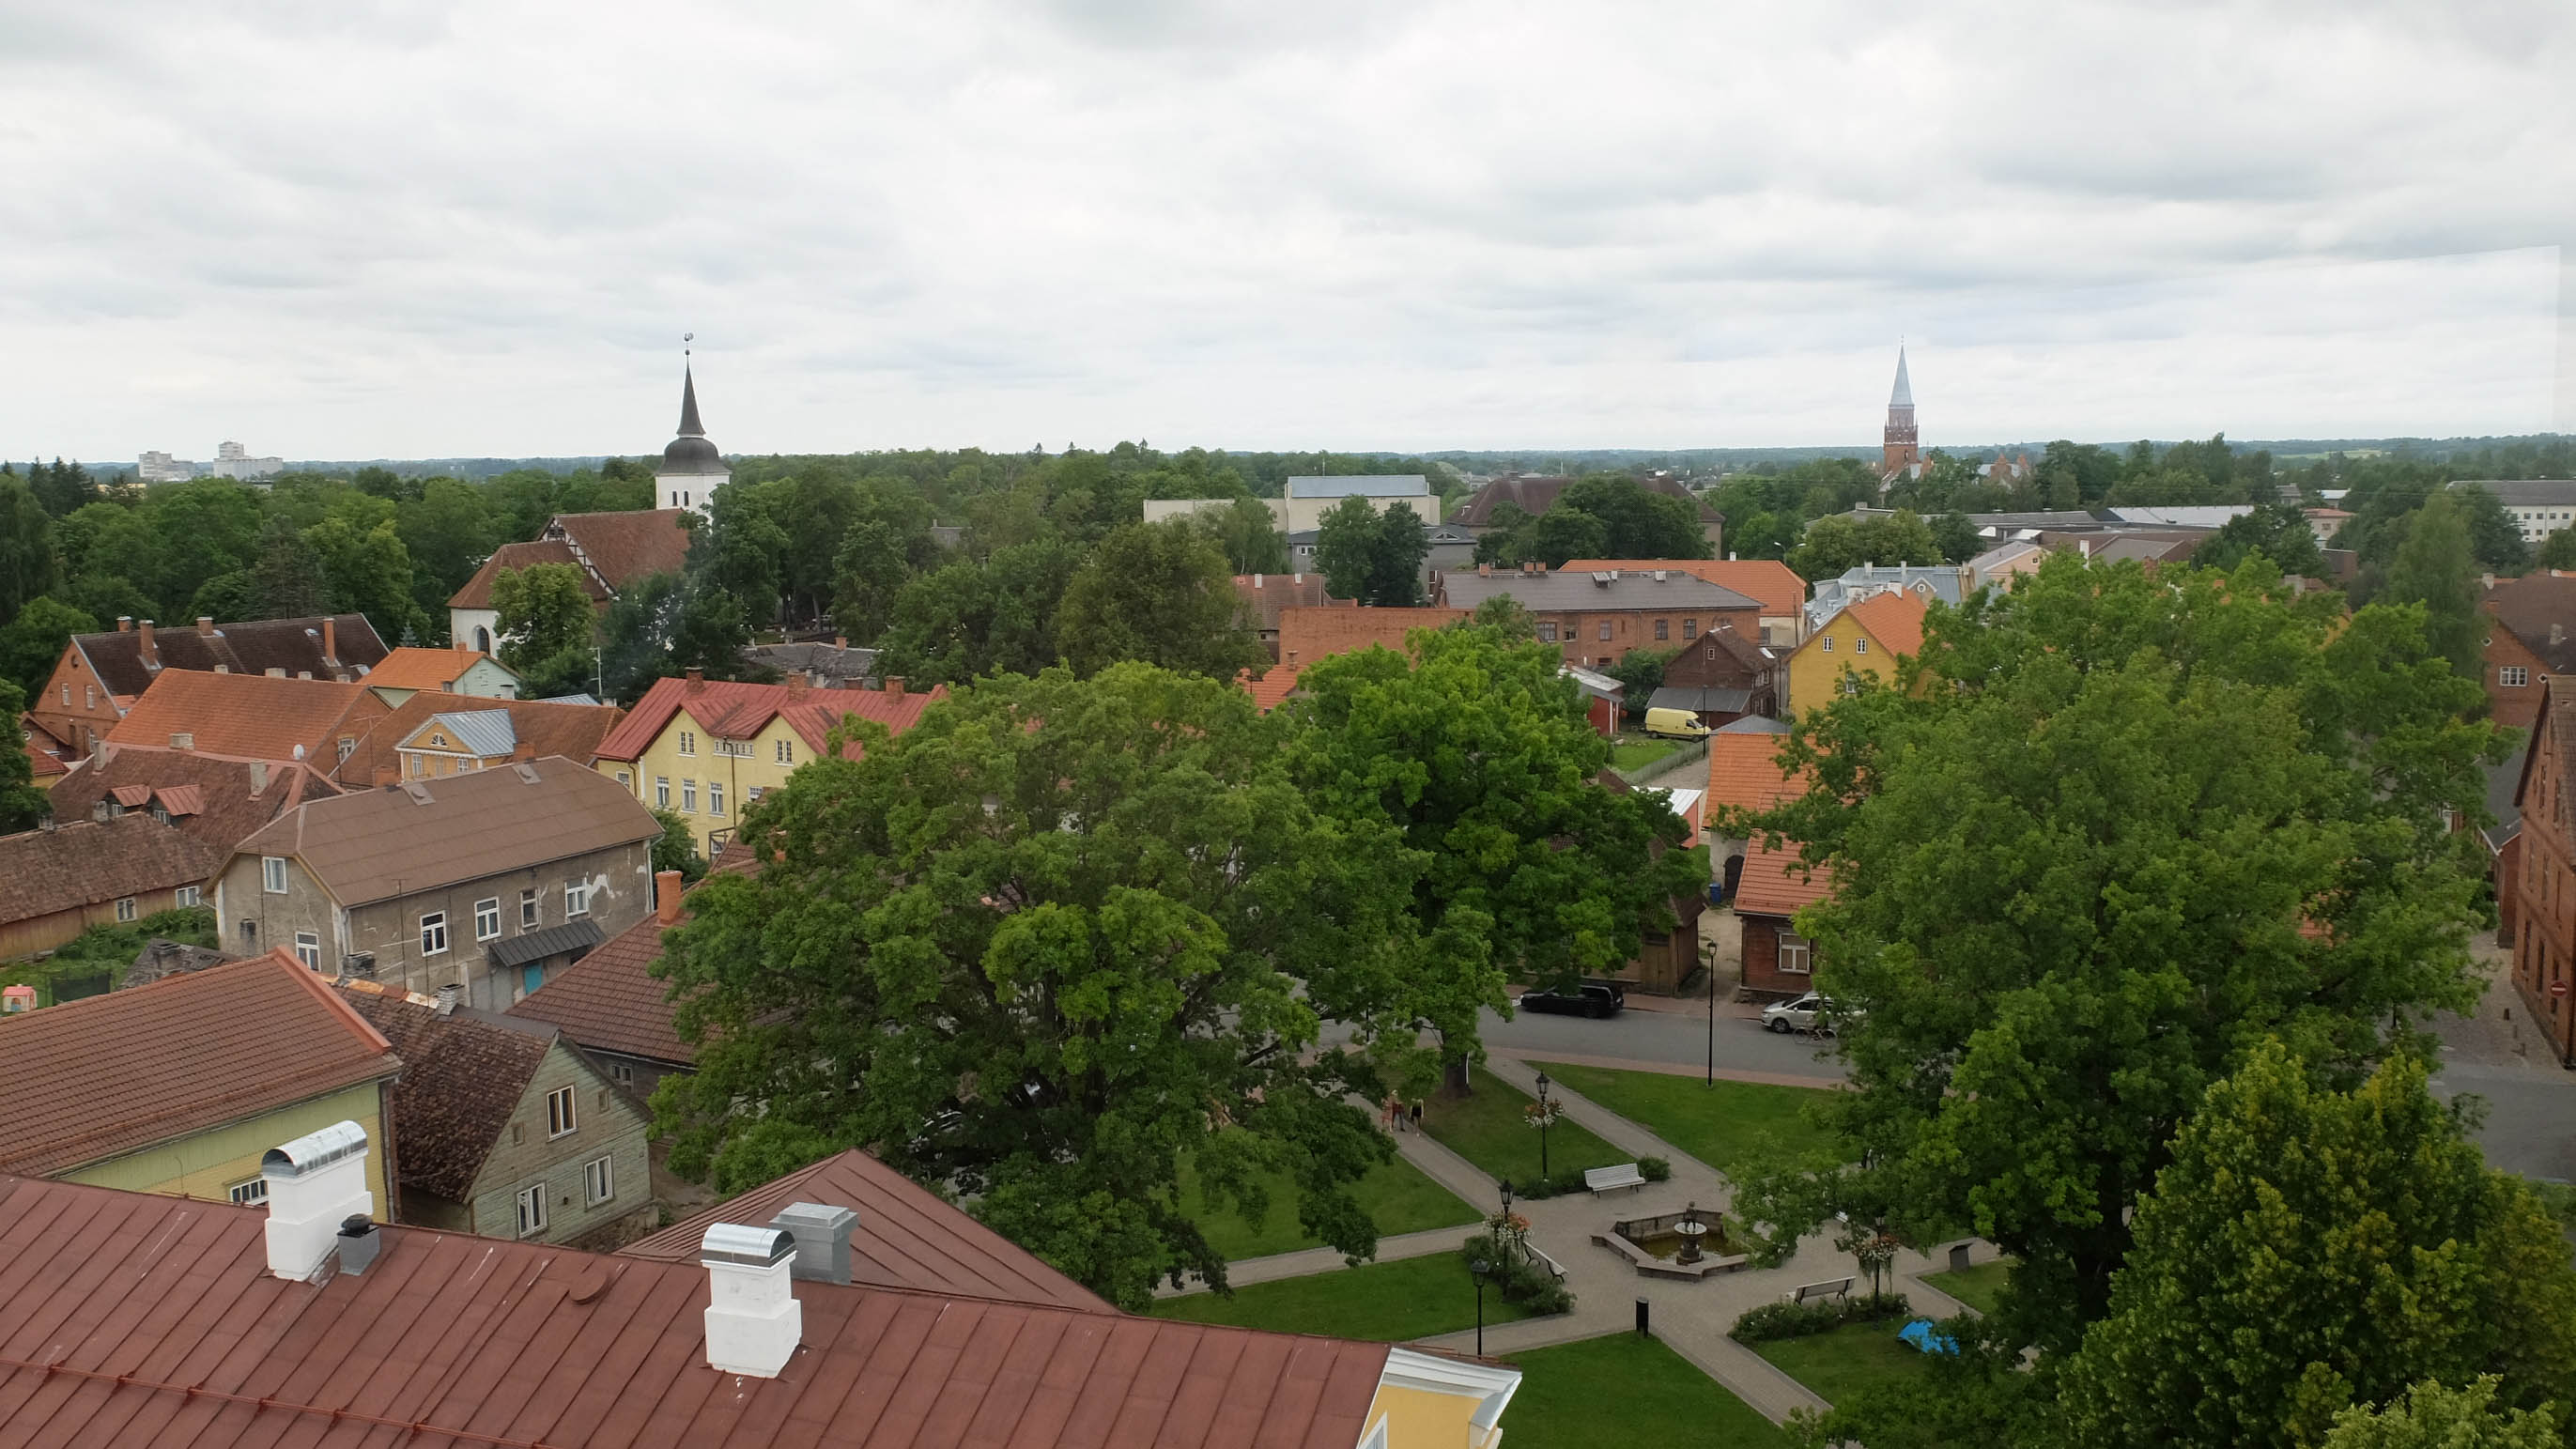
(1676, 724)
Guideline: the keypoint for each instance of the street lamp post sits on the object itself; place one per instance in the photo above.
(1709, 970)
(1542, 1128)
(1479, 1269)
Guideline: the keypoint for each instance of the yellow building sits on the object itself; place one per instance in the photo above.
(1438, 1403)
(1862, 640)
(706, 751)
(178, 1087)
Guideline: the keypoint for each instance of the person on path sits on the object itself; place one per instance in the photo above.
(1417, 1114)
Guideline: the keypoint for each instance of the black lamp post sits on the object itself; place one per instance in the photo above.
(1507, 1197)
(1542, 1128)
(1479, 1269)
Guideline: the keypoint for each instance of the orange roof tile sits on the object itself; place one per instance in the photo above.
(1270, 688)
(415, 668)
(1307, 635)
(1774, 884)
(1894, 620)
(1767, 581)
(733, 710)
(250, 715)
(1744, 771)
(545, 726)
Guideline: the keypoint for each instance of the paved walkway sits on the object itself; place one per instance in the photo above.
(1692, 1318)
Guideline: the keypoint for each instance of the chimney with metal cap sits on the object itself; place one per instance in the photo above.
(754, 1322)
(822, 1240)
(144, 646)
(330, 641)
(315, 1183)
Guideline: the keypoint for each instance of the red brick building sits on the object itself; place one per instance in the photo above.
(1596, 618)
(2532, 638)
(2544, 913)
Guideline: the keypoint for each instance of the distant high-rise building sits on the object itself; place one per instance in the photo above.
(1900, 452)
(162, 468)
(232, 460)
(692, 470)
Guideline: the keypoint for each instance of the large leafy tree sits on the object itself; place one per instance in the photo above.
(1475, 749)
(26, 548)
(2121, 829)
(2278, 531)
(2435, 568)
(1156, 592)
(2433, 1415)
(22, 804)
(32, 644)
(1373, 557)
(1637, 522)
(1038, 948)
(544, 612)
(2307, 1251)
(969, 618)
(1249, 537)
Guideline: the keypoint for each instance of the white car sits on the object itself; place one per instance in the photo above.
(1811, 1012)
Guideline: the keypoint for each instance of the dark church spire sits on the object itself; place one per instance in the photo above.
(690, 427)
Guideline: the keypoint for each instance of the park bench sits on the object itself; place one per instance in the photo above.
(1554, 1268)
(1606, 1179)
(1831, 1288)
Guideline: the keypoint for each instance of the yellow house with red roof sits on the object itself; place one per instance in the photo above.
(707, 750)
(1862, 640)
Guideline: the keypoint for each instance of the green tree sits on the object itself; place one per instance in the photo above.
(1372, 557)
(2495, 539)
(1249, 537)
(1478, 753)
(967, 619)
(2557, 551)
(544, 612)
(207, 527)
(888, 542)
(1156, 592)
(2125, 825)
(1130, 930)
(2307, 1251)
(2433, 1415)
(63, 489)
(368, 573)
(22, 805)
(2434, 568)
(286, 575)
(676, 848)
(741, 552)
(1642, 670)
(1956, 538)
(2278, 531)
(1636, 521)
(448, 532)
(32, 644)
(26, 548)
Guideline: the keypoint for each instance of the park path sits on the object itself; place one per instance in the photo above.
(1691, 1318)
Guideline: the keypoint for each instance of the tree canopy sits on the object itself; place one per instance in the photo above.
(1373, 557)
(545, 613)
(1159, 593)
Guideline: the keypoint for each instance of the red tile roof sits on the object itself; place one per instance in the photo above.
(1895, 620)
(90, 862)
(546, 727)
(512, 557)
(1263, 596)
(1774, 884)
(1270, 688)
(906, 1237)
(1744, 771)
(130, 1320)
(627, 546)
(250, 716)
(208, 796)
(609, 1000)
(106, 1075)
(1767, 581)
(1308, 635)
(415, 668)
(733, 710)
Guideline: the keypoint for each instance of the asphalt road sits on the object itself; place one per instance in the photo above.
(1662, 1036)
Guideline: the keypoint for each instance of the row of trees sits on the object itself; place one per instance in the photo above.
(1067, 935)
(1600, 515)
(2146, 887)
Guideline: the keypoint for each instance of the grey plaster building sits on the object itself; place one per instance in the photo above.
(483, 881)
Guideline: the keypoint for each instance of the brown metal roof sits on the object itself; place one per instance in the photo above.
(99, 1077)
(372, 845)
(609, 1001)
(90, 861)
(907, 1237)
(546, 727)
(251, 647)
(129, 1320)
(463, 1075)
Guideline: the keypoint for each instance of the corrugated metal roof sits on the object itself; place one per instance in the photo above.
(552, 941)
(487, 732)
(1711, 700)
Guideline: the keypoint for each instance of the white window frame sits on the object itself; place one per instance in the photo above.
(1547, 631)
(188, 896)
(715, 797)
(308, 949)
(751, 796)
(253, 1193)
(688, 742)
(598, 1181)
(1829, 643)
(125, 908)
(531, 914)
(576, 899)
(1798, 949)
(1690, 628)
(786, 752)
(433, 933)
(1860, 645)
(487, 919)
(626, 778)
(2513, 676)
(532, 1210)
(272, 875)
(688, 797)
(563, 1113)
(661, 792)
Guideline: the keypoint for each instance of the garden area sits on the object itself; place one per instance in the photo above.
(1491, 1128)
(1396, 1195)
(1728, 1125)
(93, 962)
(1635, 752)
(1382, 1302)
(1623, 1392)
(1841, 1362)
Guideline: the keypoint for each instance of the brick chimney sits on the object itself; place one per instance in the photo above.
(330, 641)
(799, 681)
(697, 680)
(523, 751)
(125, 623)
(894, 686)
(388, 775)
(206, 624)
(840, 641)
(151, 653)
(666, 897)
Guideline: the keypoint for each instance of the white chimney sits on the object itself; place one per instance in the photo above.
(822, 1240)
(258, 777)
(754, 1322)
(315, 1183)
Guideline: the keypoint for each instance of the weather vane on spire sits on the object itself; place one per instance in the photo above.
(685, 339)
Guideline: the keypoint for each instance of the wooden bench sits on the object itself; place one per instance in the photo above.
(1607, 1179)
(1555, 1269)
(1831, 1288)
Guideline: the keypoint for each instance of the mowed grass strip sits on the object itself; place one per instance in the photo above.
(1398, 1197)
(1731, 1126)
(1978, 1287)
(1840, 1363)
(1491, 1129)
(1382, 1302)
(1626, 1392)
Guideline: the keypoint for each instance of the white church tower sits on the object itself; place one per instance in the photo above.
(692, 470)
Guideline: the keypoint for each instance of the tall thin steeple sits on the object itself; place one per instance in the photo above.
(692, 470)
(1899, 451)
(690, 427)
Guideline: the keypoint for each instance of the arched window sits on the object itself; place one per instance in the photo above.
(482, 639)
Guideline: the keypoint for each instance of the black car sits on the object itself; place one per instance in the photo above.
(1585, 1000)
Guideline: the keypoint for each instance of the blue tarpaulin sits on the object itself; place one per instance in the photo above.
(1920, 1334)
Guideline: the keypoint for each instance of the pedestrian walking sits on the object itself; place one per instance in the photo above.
(1417, 1114)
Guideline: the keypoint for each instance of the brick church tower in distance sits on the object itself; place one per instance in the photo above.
(1900, 455)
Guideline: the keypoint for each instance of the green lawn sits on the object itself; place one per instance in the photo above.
(1975, 1286)
(1490, 1130)
(1381, 1302)
(1626, 1392)
(1398, 1197)
(1640, 750)
(1727, 1125)
(1850, 1358)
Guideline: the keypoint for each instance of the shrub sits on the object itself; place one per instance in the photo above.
(1654, 1169)
(1569, 1182)
(1516, 1276)
(1774, 1321)
(1539, 1191)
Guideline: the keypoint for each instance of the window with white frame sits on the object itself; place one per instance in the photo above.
(433, 934)
(1829, 643)
(576, 899)
(623, 1073)
(487, 918)
(688, 797)
(598, 1181)
(1797, 958)
(661, 792)
(272, 874)
(308, 949)
(532, 1210)
(786, 752)
(715, 797)
(1860, 646)
(528, 909)
(561, 1118)
(752, 795)
(188, 896)
(125, 908)
(688, 743)
(2513, 676)
(248, 1194)
(626, 778)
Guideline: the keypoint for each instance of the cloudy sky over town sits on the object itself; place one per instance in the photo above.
(341, 230)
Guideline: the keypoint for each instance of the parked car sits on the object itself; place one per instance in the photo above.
(1811, 1012)
(1585, 1000)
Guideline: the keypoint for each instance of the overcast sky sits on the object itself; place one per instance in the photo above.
(354, 228)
